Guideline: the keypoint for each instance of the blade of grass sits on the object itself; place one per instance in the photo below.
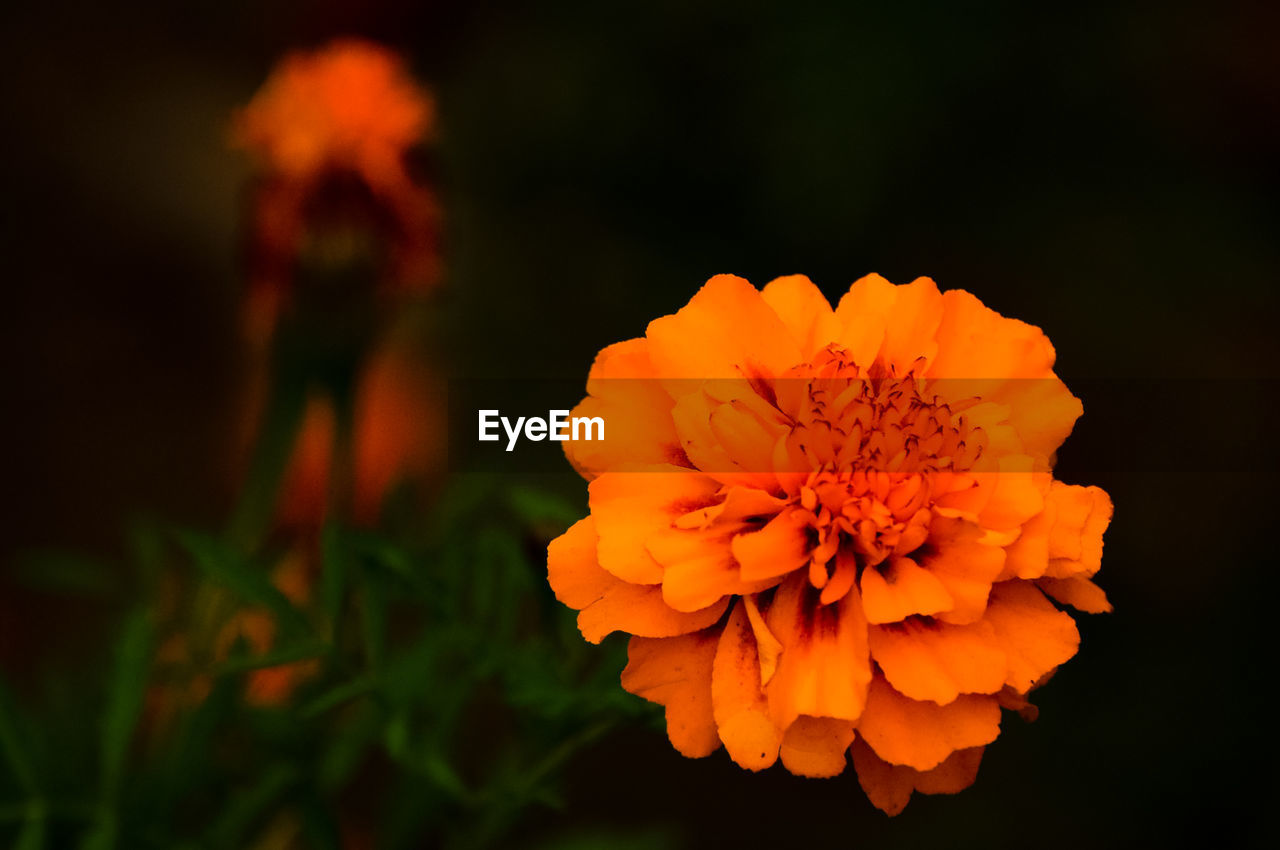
(336, 696)
(284, 655)
(11, 740)
(125, 692)
(225, 567)
(248, 805)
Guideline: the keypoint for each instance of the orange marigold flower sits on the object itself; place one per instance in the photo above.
(833, 534)
(332, 130)
(350, 106)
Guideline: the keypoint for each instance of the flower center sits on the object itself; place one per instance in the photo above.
(881, 449)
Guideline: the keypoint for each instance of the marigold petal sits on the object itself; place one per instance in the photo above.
(637, 410)
(863, 313)
(804, 310)
(676, 673)
(887, 786)
(768, 647)
(699, 567)
(1028, 556)
(929, 660)
(1075, 541)
(965, 566)
(640, 610)
(605, 602)
(1079, 593)
(816, 746)
(631, 507)
(975, 341)
(1042, 411)
(920, 734)
(775, 550)
(740, 708)
(1035, 635)
(702, 444)
(912, 325)
(1017, 493)
(573, 568)
(902, 589)
(727, 330)
(956, 773)
(825, 666)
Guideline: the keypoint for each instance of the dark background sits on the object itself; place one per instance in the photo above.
(1109, 174)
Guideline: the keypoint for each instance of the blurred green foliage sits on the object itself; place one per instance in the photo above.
(449, 692)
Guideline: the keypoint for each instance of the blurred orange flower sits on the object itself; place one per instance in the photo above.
(833, 533)
(348, 106)
(331, 130)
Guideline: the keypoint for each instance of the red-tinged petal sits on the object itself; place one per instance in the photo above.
(887, 786)
(921, 734)
(816, 746)
(740, 709)
(965, 566)
(739, 503)
(640, 610)
(928, 660)
(825, 666)
(727, 330)
(1079, 593)
(782, 546)
(1035, 635)
(698, 567)
(804, 310)
(631, 507)
(904, 588)
(605, 602)
(956, 773)
(676, 673)
(842, 580)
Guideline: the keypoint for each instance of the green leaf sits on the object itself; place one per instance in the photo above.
(270, 459)
(32, 836)
(333, 577)
(247, 805)
(283, 655)
(538, 507)
(125, 692)
(373, 621)
(336, 696)
(226, 567)
(12, 742)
